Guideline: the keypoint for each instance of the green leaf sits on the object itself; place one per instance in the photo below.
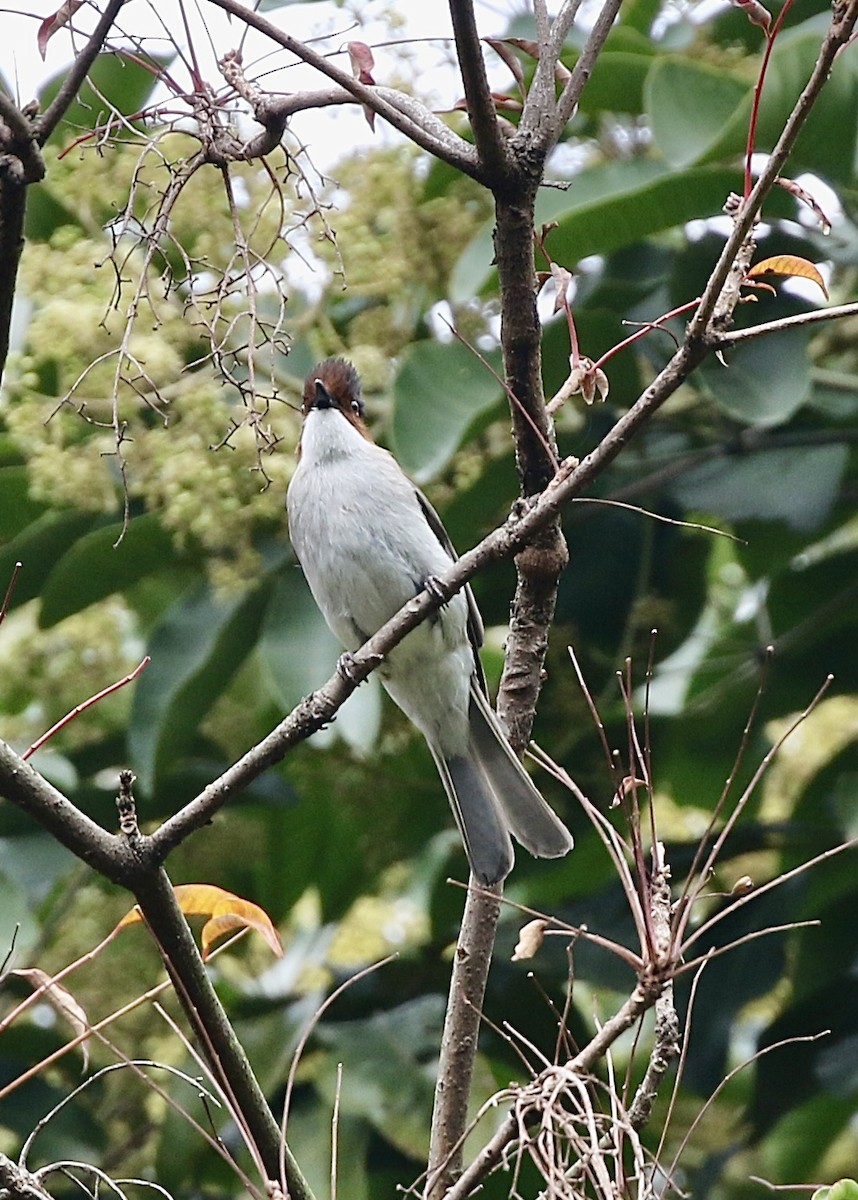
(195, 650)
(298, 653)
(844, 1189)
(617, 83)
(795, 485)
(45, 214)
(438, 392)
(623, 203)
(96, 566)
(384, 1080)
(17, 509)
(39, 546)
(639, 15)
(688, 106)
(832, 123)
(834, 119)
(608, 207)
(768, 379)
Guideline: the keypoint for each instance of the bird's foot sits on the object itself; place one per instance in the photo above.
(435, 588)
(348, 668)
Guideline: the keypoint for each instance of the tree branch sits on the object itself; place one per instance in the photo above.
(488, 138)
(18, 1183)
(408, 116)
(736, 337)
(538, 118)
(584, 66)
(218, 1039)
(461, 1032)
(839, 32)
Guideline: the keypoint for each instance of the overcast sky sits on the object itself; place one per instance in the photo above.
(329, 132)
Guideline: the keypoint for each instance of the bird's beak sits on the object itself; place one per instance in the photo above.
(323, 398)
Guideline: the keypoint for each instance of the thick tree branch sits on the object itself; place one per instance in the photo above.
(32, 793)
(19, 1184)
(459, 1042)
(218, 1040)
(584, 66)
(21, 164)
(481, 108)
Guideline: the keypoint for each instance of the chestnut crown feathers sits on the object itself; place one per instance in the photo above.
(340, 381)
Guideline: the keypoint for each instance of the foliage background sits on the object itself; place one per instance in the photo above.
(347, 845)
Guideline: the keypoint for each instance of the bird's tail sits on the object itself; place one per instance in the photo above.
(480, 820)
(527, 816)
(492, 796)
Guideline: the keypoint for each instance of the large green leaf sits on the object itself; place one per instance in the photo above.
(195, 650)
(827, 143)
(39, 546)
(439, 390)
(795, 485)
(103, 562)
(623, 203)
(610, 206)
(617, 83)
(767, 380)
(688, 105)
(17, 508)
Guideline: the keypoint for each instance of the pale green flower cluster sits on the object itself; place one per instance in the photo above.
(214, 500)
(398, 248)
(62, 666)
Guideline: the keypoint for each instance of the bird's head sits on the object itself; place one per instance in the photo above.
(334, 384)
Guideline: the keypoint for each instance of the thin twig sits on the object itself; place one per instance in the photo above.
(82, 707)
(71, 85)
(738, 337)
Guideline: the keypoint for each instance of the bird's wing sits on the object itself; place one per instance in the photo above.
(476, 630)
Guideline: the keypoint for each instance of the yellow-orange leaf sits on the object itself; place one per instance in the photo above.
(224, 910)
(788, 264)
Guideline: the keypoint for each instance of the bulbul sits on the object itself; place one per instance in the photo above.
(368, 542)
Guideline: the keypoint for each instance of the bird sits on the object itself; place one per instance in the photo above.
(368, 541)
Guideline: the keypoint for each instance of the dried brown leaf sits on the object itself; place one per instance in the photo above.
(56, 21)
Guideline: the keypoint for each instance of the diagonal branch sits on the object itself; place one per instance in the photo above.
(583, 67)
(839, 33)
(409, 117)
(539, 118)
(481, 109)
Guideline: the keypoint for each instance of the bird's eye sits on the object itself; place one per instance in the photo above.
(357, 408)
